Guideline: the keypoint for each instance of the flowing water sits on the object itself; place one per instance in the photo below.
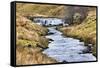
(64, 49)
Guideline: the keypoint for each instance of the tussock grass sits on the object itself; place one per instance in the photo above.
(30, 42)
(85, 31)
(30, 55)
(21, 42)
(30, 39)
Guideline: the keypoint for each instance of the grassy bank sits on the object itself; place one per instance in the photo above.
(30, 42)
(40, 10)
(86, 31)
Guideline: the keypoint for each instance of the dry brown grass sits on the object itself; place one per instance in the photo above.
(85, 31)
(30, 42)
(30, 55)
(40, 10)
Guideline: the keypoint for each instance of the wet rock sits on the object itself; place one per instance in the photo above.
(85, 51)
(89, 49)
(64, 61)
(50, 39)
(49, 33)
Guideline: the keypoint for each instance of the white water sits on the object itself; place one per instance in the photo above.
(49, 21)
(66, 49)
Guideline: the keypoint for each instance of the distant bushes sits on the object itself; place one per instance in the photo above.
(77, 18)
(75, 15)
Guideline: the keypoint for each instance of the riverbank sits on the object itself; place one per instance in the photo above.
(86, 31)
(67, 49)
(30, 42)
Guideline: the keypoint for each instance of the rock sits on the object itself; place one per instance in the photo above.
(85, 51)
(50, 39)
(89, 49)
(49, 33)
(64, 61)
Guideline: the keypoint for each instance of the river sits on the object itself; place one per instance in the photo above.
(66, 49)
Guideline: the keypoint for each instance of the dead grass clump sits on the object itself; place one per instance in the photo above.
(86, 31)
(31, 55)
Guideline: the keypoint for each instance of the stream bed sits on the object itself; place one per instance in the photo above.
(66, 49)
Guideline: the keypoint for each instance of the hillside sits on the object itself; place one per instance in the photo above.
(40, 10)
(86, 31)
(30, 42)
(31, 38)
